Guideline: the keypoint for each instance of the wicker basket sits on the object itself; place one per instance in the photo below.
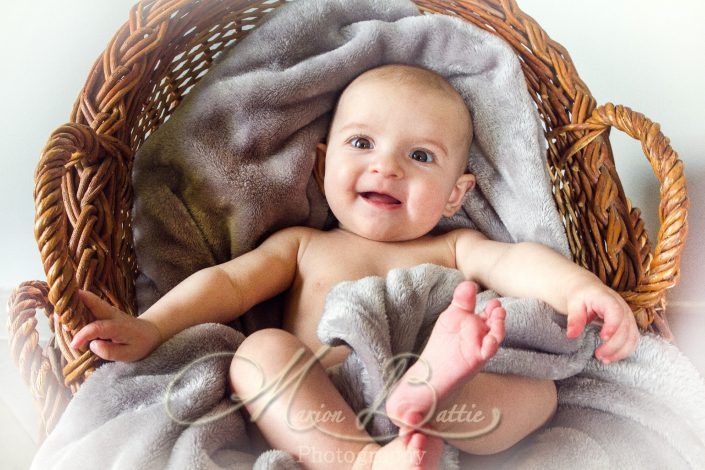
(83, 192)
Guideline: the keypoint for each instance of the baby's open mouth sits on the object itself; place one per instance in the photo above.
(379, 197)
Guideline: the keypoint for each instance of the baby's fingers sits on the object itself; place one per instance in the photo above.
(613, 314)
(621, 344)
(107, 350)
(104, 329)
(99, 308)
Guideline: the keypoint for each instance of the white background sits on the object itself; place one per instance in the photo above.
(645, 54)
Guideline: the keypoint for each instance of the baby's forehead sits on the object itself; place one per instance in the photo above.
(407, 91)
(411, 82)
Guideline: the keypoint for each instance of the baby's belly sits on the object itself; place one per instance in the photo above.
(301, 320)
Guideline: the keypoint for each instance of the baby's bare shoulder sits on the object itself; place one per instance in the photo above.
(474, 253)
(295, 238)
(463, 238)
(296, 232)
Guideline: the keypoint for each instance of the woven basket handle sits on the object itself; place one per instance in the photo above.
(40, 368)
(664, 268)
(69, 145)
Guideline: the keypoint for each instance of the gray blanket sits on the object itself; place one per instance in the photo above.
(234, 164)
(172, 410)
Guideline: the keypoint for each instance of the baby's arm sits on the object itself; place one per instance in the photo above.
(217, 294)
(534, 270)
(221, 293)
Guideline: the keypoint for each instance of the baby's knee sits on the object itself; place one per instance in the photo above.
(530, 406)
(542, 408)
(547, 390)
(269, 342)
(264, 352)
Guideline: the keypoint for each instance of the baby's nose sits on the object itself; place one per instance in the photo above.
(387, 165)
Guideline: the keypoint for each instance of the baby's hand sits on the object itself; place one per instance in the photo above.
(619, 333)
(115, 335)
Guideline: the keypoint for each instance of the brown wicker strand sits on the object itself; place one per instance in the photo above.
(40, 368)
(71, 148)
(663, 270)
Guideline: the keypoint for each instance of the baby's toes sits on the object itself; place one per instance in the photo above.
(473, 328)
(480, 339)
(490, 344)
(491, 305)
(462, 306)
(497, 323)
(472, 336)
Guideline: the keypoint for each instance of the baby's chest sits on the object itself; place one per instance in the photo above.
(315, 280)
(325, 266)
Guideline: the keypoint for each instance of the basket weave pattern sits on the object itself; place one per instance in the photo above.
(83, 192)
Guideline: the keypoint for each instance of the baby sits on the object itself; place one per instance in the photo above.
(394, 162)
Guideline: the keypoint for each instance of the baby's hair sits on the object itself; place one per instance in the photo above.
(413, 75)
(405, 74)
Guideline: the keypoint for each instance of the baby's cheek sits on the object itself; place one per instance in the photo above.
(338, 192)
(431, 204)
(425, 214)
(331, 186)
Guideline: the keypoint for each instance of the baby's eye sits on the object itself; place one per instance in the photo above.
(422, 156)
(360, 142)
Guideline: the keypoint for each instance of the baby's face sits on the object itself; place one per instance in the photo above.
(394, 160)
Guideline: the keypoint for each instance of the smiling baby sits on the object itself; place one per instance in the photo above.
(394, 162)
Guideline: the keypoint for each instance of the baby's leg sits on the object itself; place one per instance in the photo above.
(524, 405)
(298, 409)
(455, 399)
(460, 343)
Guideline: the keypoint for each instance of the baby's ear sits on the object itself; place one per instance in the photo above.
(465, 183)
(469, 181)
(319, 167)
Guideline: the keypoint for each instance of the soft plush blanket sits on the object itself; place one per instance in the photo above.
(234, 164)
(172, 409)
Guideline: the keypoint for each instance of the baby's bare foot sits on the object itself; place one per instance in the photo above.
(459, 345)
(415, 451)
